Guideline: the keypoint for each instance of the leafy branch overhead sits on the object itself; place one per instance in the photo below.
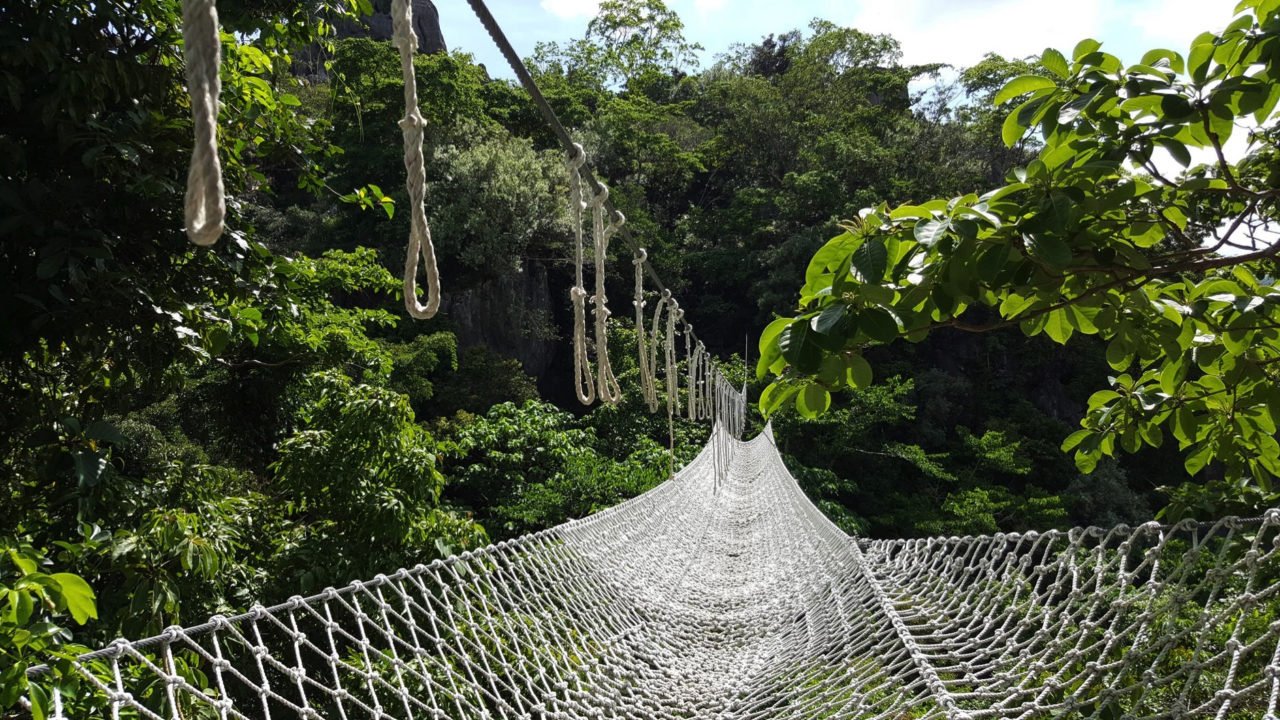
(1135, 223)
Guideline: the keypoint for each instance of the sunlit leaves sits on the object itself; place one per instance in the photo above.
(1113, 230)
(1022, 85)
(34, 609)
(371, 196)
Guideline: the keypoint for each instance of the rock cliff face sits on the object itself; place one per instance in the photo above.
(426, 24)
(512, 315)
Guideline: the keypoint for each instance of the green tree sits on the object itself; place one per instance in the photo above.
(640, 36)
(357, 472)
(625, 41)
(524, 468)
(35, 605)
(1096, 236)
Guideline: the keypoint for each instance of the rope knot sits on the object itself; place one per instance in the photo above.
(600, 198)
(616, 221)
(204, 206)
(577, 158)
(413, 120)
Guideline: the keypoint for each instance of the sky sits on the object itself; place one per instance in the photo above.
(957, 32)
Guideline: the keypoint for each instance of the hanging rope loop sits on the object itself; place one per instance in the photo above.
(648, 388)
(205, 204)
(607, 388)
(655, 339)
(674, 317)
(584, 381)
(420, 248)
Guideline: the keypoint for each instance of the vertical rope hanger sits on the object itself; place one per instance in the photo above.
(655, 340)
(648, 389)
(584, 382)
(691, 392)
(205, 205)
(420, 245)
(674, 318)
(607, 388)
(704, 382)
(709, 388)
(697, 386)
(674, 313)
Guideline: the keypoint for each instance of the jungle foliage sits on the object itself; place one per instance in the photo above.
(187, 431)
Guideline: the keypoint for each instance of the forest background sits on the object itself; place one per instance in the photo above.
(187, 431)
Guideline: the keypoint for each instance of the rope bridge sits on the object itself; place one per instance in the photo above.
(724, 593)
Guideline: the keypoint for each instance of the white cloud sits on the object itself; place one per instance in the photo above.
(571, 9)
(961, 32)
(706, 7)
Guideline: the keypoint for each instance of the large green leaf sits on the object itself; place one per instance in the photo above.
(813, 401)
(79, 597)
(775, 396)
(798, 346)
(878, 324)
(1058, 327)
(860, 375)
(1022, 85)
(1052, 250)
(1054, 62)
(929, 232)
(832, 320)
(871, 260)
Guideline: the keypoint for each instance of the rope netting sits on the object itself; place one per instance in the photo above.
(725, 593)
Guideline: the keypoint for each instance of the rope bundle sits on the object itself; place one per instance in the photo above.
(675, 316)
(655, 339)
(606, 384)
(645, 357)
(420, 245)
(693, 359)
(584, 382)
(602, 383)
(205, 205)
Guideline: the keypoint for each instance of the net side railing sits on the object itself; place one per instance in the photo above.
(1148, 622)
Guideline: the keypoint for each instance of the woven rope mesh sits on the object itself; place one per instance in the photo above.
(724, 593)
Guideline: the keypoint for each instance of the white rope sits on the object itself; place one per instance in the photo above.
(656, 341)
(420, 245)
(584, 382)
(725, 593)
(710, 397)
(694, 364)
(607, 388)
(205, 206)
(674, 316)
(699, 385)
(648, 385)
(689, 392)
